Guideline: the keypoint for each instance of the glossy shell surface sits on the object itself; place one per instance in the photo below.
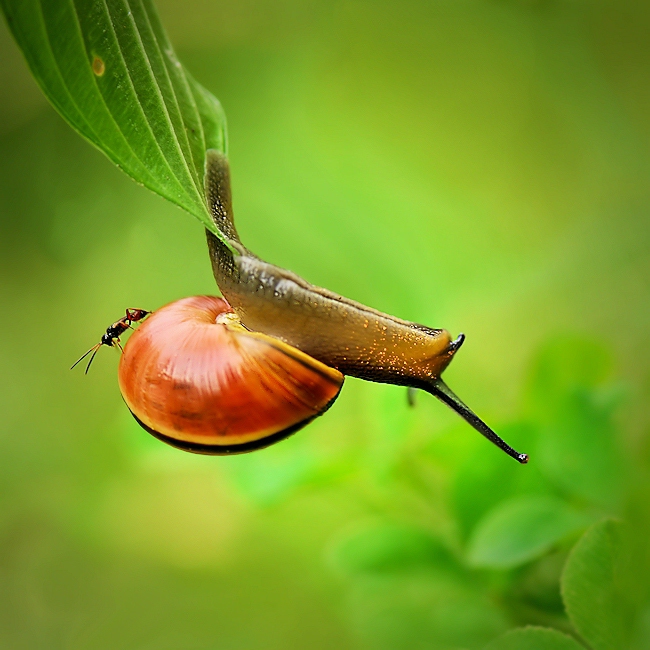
(197, 379)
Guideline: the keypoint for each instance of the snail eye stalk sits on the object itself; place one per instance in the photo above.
(439, 389)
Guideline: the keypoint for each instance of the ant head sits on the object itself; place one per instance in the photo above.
(136, 314)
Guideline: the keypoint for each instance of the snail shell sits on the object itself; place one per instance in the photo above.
(195, 378)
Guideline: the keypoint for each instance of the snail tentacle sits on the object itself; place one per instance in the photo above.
(439, 389)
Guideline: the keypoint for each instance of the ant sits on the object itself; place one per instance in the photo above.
(113, 333)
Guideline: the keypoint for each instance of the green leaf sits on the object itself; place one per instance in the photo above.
(534, 638)
(109, 69)
(573, 406)
(422, 609)
(595, 590)
(521, 529)
(487, 476)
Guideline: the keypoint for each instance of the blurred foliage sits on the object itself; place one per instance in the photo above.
(505, 142)
(534, 638)
(596, 589)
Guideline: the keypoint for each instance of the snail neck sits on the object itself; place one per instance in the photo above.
(219, 196)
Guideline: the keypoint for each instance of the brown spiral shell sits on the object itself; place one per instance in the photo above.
(195, 378)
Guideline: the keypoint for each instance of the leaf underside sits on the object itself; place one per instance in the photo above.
(520, 529)
(593, 588)
(109, 69)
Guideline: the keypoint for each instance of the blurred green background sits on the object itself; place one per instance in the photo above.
(482, 166)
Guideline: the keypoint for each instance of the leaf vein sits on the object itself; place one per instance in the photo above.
(163, 103)
(139, 104)
(182, 75)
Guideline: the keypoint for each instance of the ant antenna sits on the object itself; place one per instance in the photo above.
(83, 356)
(99, 345)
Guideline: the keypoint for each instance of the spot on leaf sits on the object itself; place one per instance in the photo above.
(98, 66)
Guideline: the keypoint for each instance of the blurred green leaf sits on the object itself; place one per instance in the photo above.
(110, 71)
(577, 447)
(534, 638)
(521, 529)
(487, 476)
(387, 547)
(534, 590)
(594, 590)
(423, 610)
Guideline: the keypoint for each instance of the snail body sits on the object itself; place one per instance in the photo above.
(357, 340)
(344, 334)
(194, 377)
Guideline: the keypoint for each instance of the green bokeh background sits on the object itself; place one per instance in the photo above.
(482, 166)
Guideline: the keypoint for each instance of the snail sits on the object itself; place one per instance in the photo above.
(229, 375)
